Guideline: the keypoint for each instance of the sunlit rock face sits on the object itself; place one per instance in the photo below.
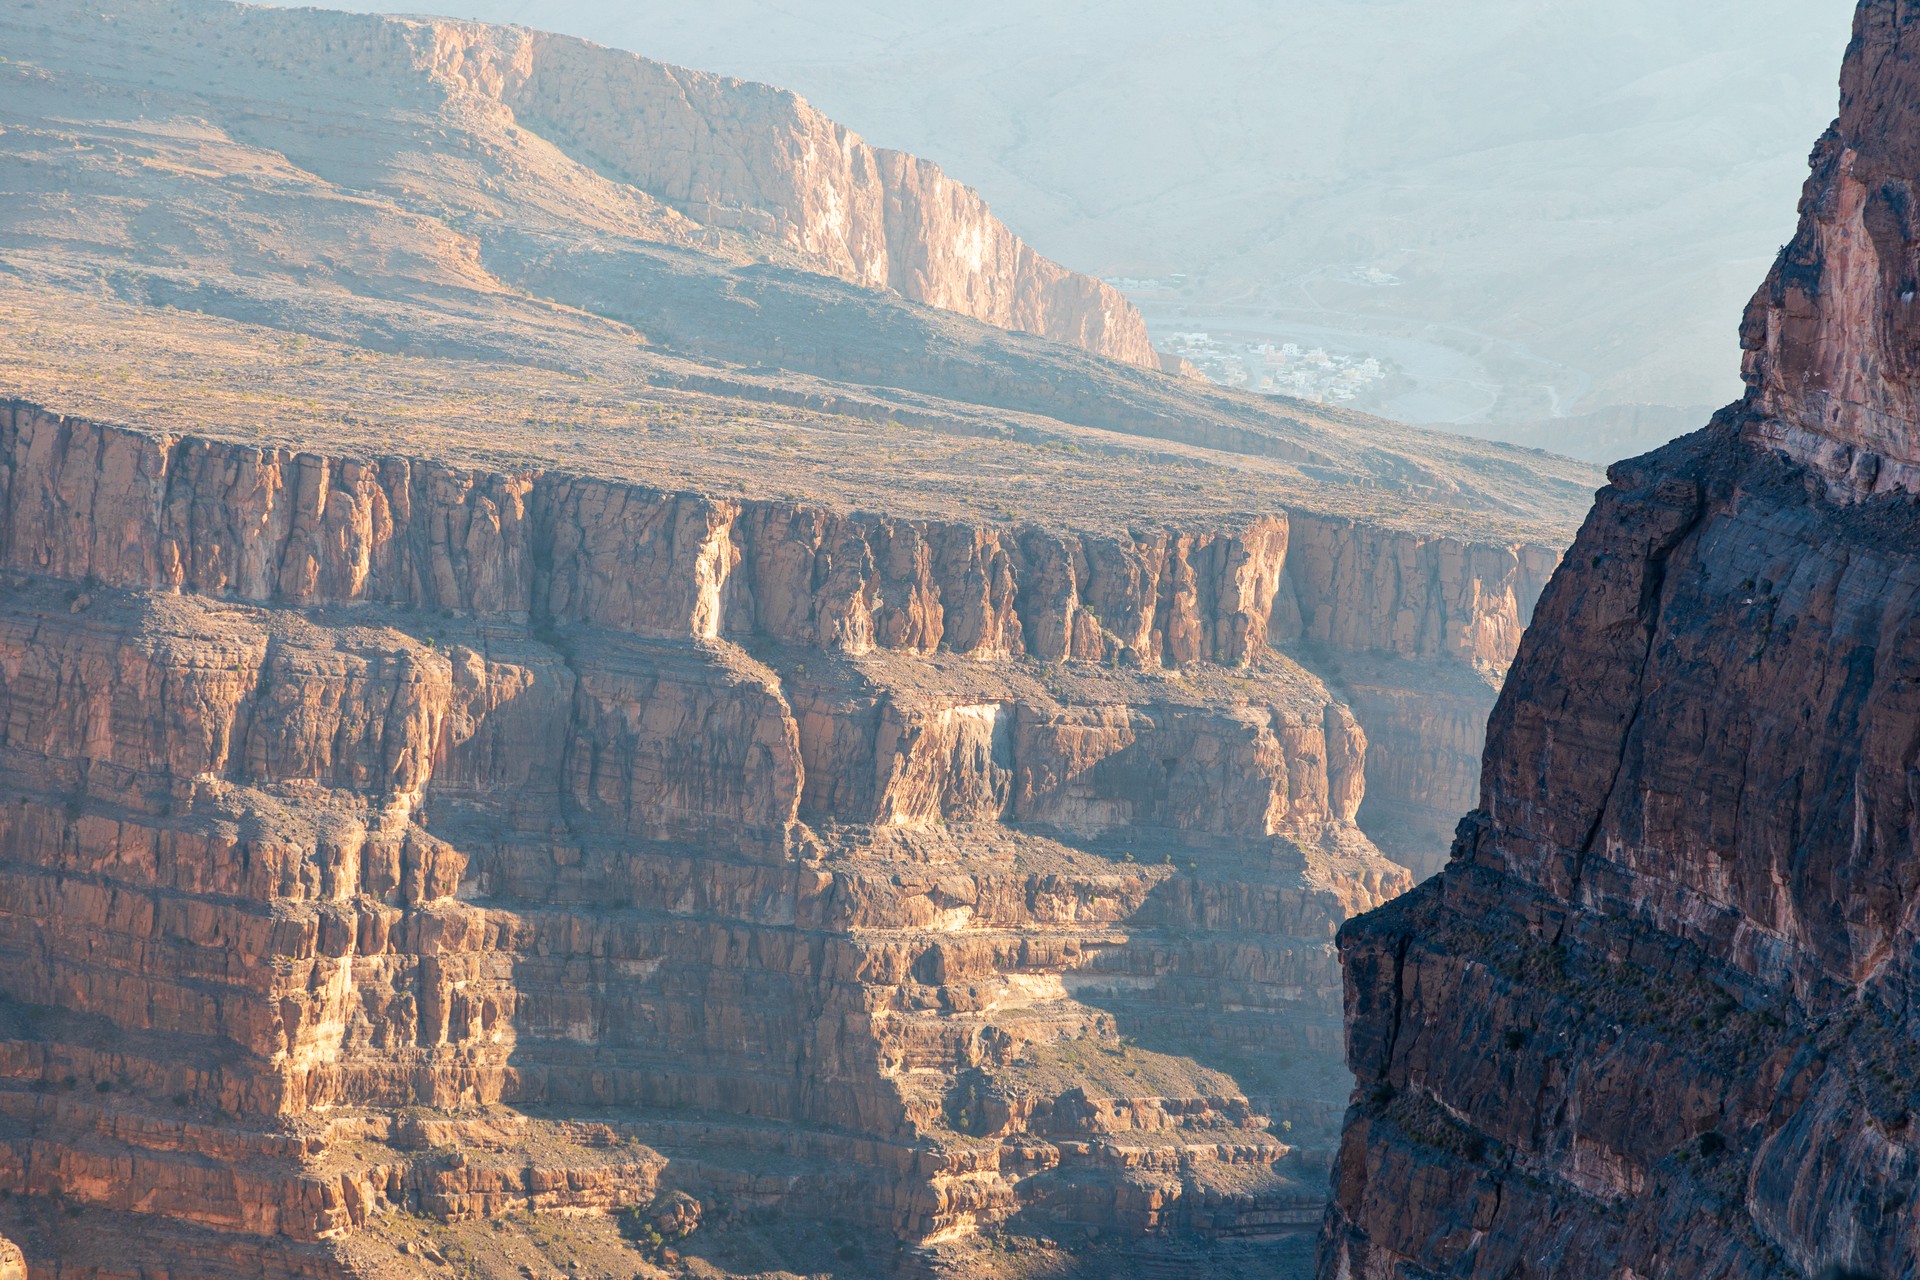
(1833, 335)
(387, 839)
(570, 673)
(1654, 1018)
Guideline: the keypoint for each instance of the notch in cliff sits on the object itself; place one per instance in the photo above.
(1655, 1017)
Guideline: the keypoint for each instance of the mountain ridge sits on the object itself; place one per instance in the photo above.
(745, 158)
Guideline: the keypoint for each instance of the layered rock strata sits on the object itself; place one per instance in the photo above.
(648, 271)
(1654, 1019)
(386, 837)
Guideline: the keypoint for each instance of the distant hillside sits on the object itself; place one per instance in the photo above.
(1530, 210)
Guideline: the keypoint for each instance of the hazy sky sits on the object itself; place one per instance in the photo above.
(1573, 199)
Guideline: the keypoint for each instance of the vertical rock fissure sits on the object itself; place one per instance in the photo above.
(1652, 609)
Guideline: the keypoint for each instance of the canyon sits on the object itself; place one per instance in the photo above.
(1653, 1019)
(598, 678)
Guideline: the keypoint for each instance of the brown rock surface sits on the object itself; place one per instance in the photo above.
(1654, 1019)
(1830, 337)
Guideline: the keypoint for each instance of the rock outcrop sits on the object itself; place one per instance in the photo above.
(1654, 1019)
(1830, 338)
(749, 158)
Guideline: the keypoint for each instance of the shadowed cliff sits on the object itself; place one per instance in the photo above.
(1654, 1018)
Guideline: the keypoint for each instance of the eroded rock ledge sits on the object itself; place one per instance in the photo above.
(132, 510)
(1413, 631)
(1831, 336)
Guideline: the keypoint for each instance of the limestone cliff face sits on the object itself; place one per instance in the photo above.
(363, 810)
(128, 509)
(747, 157)
(1429, 622)
(1654, 1019)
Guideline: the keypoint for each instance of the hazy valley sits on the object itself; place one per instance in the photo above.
(1540, 217)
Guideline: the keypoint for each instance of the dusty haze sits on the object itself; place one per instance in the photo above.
(1532, 215)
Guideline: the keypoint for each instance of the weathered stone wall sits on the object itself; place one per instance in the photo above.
(1655, 1017)
(134, 511)
(126, 509)
(946, 858)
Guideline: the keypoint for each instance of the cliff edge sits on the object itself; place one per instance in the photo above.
(562, 140)
(1654, 1019)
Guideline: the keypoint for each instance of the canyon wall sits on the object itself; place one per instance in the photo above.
(580, 713)
(384, 837)
(1654, 1019)
(129, 509)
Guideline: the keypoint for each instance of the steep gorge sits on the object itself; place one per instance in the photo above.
(1654, 1019)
